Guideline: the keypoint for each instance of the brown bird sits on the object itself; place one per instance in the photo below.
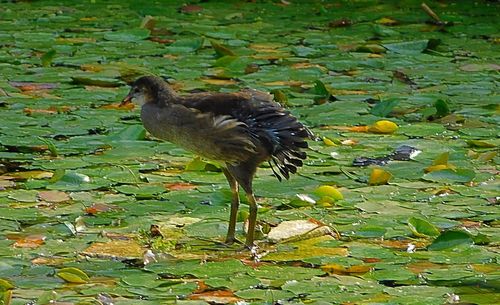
(239, 130)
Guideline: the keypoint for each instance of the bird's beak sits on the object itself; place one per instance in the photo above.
(126, 100)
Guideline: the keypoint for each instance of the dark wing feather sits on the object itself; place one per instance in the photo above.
(269, 125)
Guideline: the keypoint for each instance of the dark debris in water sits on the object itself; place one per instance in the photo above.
(401, 153)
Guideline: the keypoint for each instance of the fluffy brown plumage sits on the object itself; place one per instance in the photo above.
(240, 130)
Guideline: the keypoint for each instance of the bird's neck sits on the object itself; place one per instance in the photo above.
(165, 95)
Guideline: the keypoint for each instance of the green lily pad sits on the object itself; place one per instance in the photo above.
(421, 227)
(450, 175)
(450, 239)
(130, 35)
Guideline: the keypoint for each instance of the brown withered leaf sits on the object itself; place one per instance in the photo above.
(191, 8)
(97, 208)
(216, 296)
(401, 76)
(180, 186)
(29, 241)
(31, 86)
(53, 196)
(50, 110)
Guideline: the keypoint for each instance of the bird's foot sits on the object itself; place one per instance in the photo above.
(232, 240)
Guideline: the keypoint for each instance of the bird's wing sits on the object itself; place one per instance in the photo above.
(265, 123)
(215, 136)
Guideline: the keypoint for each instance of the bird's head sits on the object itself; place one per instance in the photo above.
(149, 89)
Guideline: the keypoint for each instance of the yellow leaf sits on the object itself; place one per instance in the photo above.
(291, 83)
(36, 174)
(383, 126)
(218, 82)
(379, 176)
(386, 21)
(5, 285)
(434, 168)
(266, 47)
(487, 156)
(307, 65)
(329, 191)
(328, 142)
(91, 67)
(115, 249)
(333, 269)
(440, 163)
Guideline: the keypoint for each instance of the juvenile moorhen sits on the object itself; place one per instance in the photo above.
(240, 130)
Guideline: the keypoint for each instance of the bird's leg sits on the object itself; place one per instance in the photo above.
(252, 218)
(243, 173)
(235, 202)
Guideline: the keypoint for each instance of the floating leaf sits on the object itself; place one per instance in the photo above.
(321, 90)
(53, 196)
(30, 241)
(297, 229)
(97, 208)
(301, 200)
(50, 145)
(442, 159)
(383, 126)
(328, 193)
(461, 175)
(371, 231)
(440, 163)
(5, 285)
(442, 108)
(96, 81)
(329, 142)
(408, 47)
(371, 48)
(480, 144)
(129, 133)
(383, 108)
(73, 275)
(148, 22)
(333, 269)
(386, 21)
(379, 176)
(130, 35)
(191, 8)
(115, 249)
(47, 58)
(30, 86)
(221, 50)
(219, 82)
(450, 239)
(421, 227)
(280, 97)
(216, 297)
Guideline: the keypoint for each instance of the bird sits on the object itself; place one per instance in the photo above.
(238, 130)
